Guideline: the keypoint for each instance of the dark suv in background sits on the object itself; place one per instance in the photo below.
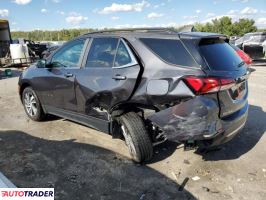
(143, 85)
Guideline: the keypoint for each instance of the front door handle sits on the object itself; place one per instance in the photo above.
(119, 77)
(68, 75)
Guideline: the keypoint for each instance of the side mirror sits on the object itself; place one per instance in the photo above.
(41, 63)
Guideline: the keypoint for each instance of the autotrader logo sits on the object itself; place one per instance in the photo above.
(27, 193)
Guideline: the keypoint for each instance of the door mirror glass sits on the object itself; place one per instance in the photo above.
(41, 63)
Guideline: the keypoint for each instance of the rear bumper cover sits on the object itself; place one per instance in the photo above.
(197, 119)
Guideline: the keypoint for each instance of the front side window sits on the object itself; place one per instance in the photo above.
(102, 52)
(69, 56)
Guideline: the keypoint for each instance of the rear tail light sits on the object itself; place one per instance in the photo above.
(201, 85)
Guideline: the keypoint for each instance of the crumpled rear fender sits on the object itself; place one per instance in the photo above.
(194, 119)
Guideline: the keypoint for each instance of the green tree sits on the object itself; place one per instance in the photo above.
(225, 26)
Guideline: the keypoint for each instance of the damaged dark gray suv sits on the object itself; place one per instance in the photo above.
(145, 86)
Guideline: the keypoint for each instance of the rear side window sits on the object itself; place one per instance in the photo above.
(122, 55)
(102, 52)
(170, 50)
(219, 55)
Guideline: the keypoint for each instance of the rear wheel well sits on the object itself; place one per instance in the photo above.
(123, 109)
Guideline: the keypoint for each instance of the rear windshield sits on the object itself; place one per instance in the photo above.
(219, 55)
(170, 50)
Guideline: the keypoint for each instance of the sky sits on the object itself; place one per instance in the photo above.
(26, 15)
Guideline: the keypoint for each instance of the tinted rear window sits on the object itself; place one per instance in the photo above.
(219, 55)
(170, 50)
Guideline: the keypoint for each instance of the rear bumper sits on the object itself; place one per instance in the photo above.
(232, 126)
(198, 119)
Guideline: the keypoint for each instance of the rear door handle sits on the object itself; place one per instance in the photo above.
(68, 75)
(119, 77)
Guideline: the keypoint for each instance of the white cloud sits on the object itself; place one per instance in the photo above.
(44, 10)
(115, 18)
(190, 17)
(4, 13)
(210, 15)
(22, 2)
(115, 7)
(232, 12)
(249, 11)
(261, 22)
(198, 11)
(60, 12)
(56, 1)
(242, 1)
(154, 15)
(76, 18)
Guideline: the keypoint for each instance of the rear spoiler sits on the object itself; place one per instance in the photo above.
(202, 35)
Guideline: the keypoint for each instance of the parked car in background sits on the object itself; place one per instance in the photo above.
(245, 57)
(251, 43)
(145, 86)
(264, 48)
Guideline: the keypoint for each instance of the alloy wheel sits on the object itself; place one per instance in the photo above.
(30, 104)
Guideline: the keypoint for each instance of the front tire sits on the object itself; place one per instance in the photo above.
(136, 137)
(32, 105)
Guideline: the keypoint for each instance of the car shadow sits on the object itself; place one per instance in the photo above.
(80, 171)
(164, 150)
(243, 142)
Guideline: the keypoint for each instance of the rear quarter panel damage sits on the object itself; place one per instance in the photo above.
(190, 120)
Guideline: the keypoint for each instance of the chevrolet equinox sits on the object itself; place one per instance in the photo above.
(144, 86)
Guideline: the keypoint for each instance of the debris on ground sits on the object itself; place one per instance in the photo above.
(230, 188)
(142, 197)
(182, 186)
(195, 178)
(206, 189)
(174, 175)
(186, 162)
(210, 190)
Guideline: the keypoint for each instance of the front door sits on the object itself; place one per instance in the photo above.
(58, 85)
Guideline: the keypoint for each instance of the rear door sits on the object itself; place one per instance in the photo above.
(108, 78)
(223, 62)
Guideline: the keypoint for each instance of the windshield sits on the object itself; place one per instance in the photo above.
(219, 55)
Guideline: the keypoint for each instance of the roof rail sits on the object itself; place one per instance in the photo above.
(134, 30)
